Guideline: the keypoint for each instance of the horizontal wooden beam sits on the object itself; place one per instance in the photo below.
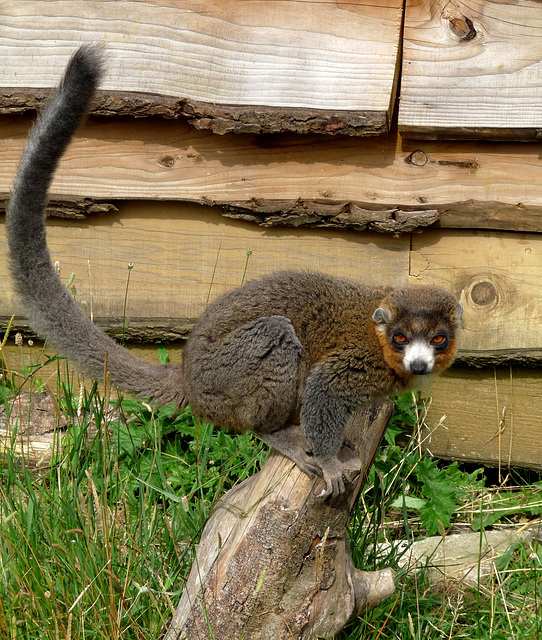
(387, 184)
(260, 67)
(184, 255)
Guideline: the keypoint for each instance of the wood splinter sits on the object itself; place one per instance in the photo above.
(274, 559)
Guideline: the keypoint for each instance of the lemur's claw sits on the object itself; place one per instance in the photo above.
(334, 474)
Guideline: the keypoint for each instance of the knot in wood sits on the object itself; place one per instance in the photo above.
(489, 293)
(463, 28)
(483, 293)
(167, 161)
(418, 158)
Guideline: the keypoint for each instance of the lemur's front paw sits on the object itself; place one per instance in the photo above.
(335, 475)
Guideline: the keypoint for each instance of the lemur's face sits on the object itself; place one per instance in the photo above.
(417, 328)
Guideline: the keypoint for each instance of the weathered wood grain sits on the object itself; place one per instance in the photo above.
(486, 415)
(260, 66)
(185, 255)
(472, 68)
(498, 278)
(298, 180)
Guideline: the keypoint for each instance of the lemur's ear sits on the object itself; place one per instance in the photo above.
(381, 316)
(459, 310)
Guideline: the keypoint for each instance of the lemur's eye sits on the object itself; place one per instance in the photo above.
(439, 340)
(399, 340)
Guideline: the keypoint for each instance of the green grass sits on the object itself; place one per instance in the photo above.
(99, 544)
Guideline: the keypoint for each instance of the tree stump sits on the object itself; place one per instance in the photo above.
(274, 561)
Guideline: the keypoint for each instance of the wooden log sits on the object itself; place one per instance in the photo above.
(389, 184)
(31, 427)
(258, 67)
(472, 69)
(33, 354)
(274, 560)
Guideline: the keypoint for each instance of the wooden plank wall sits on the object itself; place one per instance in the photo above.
(197, 213)
(298, 180)
(486, 416)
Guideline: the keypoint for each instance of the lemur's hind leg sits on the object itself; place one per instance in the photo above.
(248, 380)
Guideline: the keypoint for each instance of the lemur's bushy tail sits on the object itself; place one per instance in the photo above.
(50, 308)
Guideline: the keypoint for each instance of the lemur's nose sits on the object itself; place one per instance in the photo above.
(419, 367)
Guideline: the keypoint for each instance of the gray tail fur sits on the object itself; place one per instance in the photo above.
(50, 308)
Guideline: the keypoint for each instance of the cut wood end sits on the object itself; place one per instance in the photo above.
(371, 587)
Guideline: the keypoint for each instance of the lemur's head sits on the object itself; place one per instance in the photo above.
(417, 327)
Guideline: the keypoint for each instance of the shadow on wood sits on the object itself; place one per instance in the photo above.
(274, 561)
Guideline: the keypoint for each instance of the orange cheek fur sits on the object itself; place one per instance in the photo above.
(444, 360)
(393, 359)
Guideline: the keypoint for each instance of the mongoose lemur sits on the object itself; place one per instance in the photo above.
(291, 348)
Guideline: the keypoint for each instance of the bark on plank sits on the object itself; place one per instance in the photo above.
(500, 357)
(282, 213)
(219, 119)
(266, 120)
(71, 207)
(262, 66)
(472, 69)
(274, 561)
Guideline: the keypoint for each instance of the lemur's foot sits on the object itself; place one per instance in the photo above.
(337, 471)
(305, 462)
(335, 475)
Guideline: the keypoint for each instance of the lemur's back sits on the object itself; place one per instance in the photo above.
(322, 309)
